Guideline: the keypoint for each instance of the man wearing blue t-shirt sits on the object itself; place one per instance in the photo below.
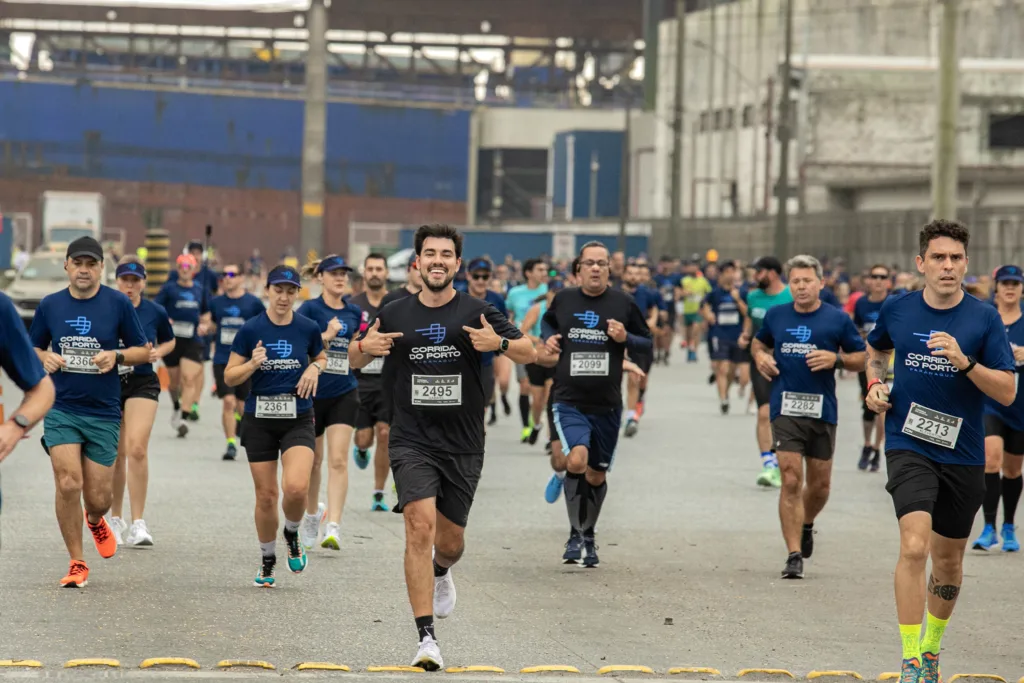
(724, 310)
(951, 351)
(799, 347)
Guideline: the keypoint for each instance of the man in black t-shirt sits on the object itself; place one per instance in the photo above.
(434, 342)
(590, 328)
(413, 284)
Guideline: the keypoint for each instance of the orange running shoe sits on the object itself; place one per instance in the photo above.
(639, 409)
(78, 575)
(104, 537)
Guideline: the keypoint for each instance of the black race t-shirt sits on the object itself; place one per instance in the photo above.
(589, 371)
(433, 373)
(369, 377)
(396, 295)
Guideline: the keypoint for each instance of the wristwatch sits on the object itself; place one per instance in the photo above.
(320, 368)
(839, 362)
(971, 362)
(21, 421)
(119, 358)
(502, 347)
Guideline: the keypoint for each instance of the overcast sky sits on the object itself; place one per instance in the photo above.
(259, 5)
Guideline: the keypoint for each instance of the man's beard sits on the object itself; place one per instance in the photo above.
(763, 284)
(374, 283)
(437, 287)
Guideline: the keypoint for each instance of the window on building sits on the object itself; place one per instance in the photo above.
(1006, 131)
(748, 116)
(730, 115)
(719, 119)
(705, 118)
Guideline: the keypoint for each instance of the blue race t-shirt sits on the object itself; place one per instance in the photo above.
(157, 328)
(728, 320)
(956, 435)
(827, 296)
(519, 300)
(792, 335)
(78, 329)
(494, 299)
(289, 348)
(646, 299)
(185, 305)
(667, 289)
(1013, 414)
(230, 314)
(17, 357)
(338, 379)
(865, 313)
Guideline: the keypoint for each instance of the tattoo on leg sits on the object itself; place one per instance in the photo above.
(943, 591)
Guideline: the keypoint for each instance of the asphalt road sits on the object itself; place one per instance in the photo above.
(690, 559)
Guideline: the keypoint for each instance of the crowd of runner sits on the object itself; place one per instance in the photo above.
(417, 375)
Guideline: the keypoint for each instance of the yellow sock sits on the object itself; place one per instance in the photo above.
(911, 636)
(932, 640)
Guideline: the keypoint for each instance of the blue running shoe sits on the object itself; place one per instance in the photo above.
(910, 672)
(930, 671)
(296, 555)
(362, 457)
(573, 548)
(554, 488)
(378, 503)
(265, 576)
(987, 539)
(590, 560)
(1010, 542)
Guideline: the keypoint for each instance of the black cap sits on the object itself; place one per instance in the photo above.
(283, 275)
(480, 264)
(768, 263)
(85, 246)
(193, 245)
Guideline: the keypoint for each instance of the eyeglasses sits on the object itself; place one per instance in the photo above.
(481, 276)
(230, 273)
(877, 276)
(591, 264)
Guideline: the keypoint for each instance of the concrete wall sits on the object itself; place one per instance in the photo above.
(500, 128)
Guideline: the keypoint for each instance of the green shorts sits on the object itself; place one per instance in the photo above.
(692, 318)
(98, 437)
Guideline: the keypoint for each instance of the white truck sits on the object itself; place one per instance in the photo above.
(66, 216)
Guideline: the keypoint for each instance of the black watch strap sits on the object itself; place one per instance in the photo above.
(119, 357)
(971, 362)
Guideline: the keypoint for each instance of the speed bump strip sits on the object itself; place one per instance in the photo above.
(694, 670)
(242, 663)
(168, 661)
(74, 663)
(21, 663)
(396, 669)
(987, 677)
(619, 668)
(834, 674)
(889, 676)
(474, 669)
(550, 668)
(321, 666)
(764, 672)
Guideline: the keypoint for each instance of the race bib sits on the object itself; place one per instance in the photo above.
(183, 329)
(932, 426)
(802, 405)
(227, 336)
(437, 390)
(276, 407)
(337, 363)
(79, 361)
(375, 367)
(729, 318)
(588, 364)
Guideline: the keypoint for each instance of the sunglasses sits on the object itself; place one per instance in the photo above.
(876, 276)
(230, 273)
(481, 276)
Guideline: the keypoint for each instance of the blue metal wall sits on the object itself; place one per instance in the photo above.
(578, 148)
(230, 140)
(524, 245)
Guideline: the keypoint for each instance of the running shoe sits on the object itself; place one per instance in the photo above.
(865, 458)
(534, 435)
(332, 537)
(78, 575)
(428, 657)
(910, 671)
(590, 560)
(231, 452)
(573, 548)
(265, 574)
(724, 407)
(493, 419)
(631, 427)
(691, 356)
(378, 504)
(930, 671)
(444, 595)
(876, 460)
(309, 529)
(524, 436)
(807, 542)
(1010, 543)
(117, 527)
(987, 539)
(106, 546)
(139, 535)
(794, 567)
(194, 413)
(296, 555)
(361, 456)
(766, 477)
(553, 491)
(505, 405)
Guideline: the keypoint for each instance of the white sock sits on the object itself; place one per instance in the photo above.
(560, 475)
(291, 526)
(269, 549)
(630, 415)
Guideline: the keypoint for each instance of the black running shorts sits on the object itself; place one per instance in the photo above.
(807, 436)
(241, 392)
(189, 349)
(538, 374)
(338, 410)
(487, 375)
(265, 439)
(951, 494)
(374, 406)
(1013, 441)
(422, 473)
(867, 415)
(762, 387)
(139, 386)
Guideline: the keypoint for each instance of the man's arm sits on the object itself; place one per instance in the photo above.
(638, 334)
(877, 366)
(520, 347)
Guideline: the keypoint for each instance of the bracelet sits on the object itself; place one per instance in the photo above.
(359, 345)
(873, 383)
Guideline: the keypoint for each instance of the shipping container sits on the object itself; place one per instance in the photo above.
(229, 140)
(6, 242)
(586, 174)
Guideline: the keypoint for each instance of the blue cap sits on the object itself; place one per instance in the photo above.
(480, 264)
(332, 263)
(283, 275)
(412, 261)
(136, 269)
(1010, 274)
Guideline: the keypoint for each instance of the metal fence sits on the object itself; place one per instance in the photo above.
(865, 238)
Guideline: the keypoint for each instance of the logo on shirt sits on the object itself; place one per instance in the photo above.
(435, 333)
(927, 364)
(81, 325)
(283, 349)
(925, 337)
(344, 329)
(188, 296)
(438, 353)
(801, 347)
(589, 334)
(588, 318)
(233, 311)
(802, 333)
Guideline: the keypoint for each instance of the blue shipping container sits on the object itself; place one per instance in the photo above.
(230, 140)
(575, 153)
(524, 245)
(6, 242)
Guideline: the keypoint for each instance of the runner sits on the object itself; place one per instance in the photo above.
(951, 351)
(434, 341)
(865, 313)
(283, 354)
(336, 404)
(140, 394)
(518, 302)
(694, 288)
(771, 291)
(540, 376)
(669, 285)
(1004, 426)
(209, 282)
(590, 329)
(184, 301)
(228, 312)
(650, 305)
(374, 411)
(724, 309)
(799, 346)
(82, 326)
(413, 284)
(480, 270)
(499, 284)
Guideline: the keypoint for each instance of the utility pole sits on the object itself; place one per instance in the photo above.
(654, 12)
(711, 7)
(625, 204)
(944, 168)
(314, 135)
(782, 184)
(756, 100)
(676, 239)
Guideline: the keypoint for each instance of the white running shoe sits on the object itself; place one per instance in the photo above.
(428, 657)
(139, 534)
(118, 526)
(332, 537)
(444, 595)
(309, 529)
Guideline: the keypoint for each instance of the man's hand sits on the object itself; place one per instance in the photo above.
(377, 343)
(877, 399)
(744, 340)
(820, 359)
(484, 339)
(1018, 354)
(105, 360)
(553, 344)
(259, 354)
(766, 365)
(617, 331)
(333, 327)
(945, 346)
(10, 435)
(53, 362)
(154, 355)
(202, 329)
(308, 382)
